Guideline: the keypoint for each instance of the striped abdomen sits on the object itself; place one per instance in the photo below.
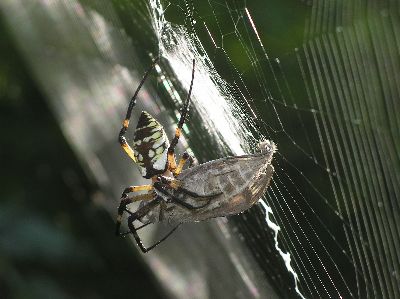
(150, 146)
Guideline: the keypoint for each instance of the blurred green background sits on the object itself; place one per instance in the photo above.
(55, 242)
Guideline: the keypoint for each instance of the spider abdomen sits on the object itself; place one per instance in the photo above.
(150, 146)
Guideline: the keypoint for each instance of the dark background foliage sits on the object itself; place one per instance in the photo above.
(55, 242)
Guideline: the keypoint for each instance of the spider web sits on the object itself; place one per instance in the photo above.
(319, 78)
(336, 182)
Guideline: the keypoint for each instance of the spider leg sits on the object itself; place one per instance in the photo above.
(137, 214)
(174, 142)
(132, 103)
(137, 228)
(187, 205)
(195, 195)
(122, 207)
(178, 201)
(185, 157)
(139, 241)
(136, 189)
(140, 213)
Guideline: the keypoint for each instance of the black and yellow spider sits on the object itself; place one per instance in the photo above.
(155, 157)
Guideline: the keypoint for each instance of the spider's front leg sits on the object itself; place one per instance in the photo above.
(185, 158)
(125, 124)
(163, 185)
(136, 189)
(139, 214)
(125, 200)
(171, 150)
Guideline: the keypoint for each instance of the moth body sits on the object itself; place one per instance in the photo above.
(226, 186)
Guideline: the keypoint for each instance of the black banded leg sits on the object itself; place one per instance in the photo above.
(136, 189)
(139, 242)
(125, 200)
(178, 131)
(187, 205)
(137, 215)
(137, 228)
(174, 199)
(185, 158)
(132, 103)
(176, 184)
(194, 195)
(122, 207)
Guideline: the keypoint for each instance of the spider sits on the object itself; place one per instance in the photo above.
(155, 157)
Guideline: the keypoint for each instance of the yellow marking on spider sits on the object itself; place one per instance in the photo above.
(175, 184)
(159, 150)
(171, 162)
(129, 151)
(156, 135)
(125, 124)
(177, 132)
(179, 168)
(141, 188)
